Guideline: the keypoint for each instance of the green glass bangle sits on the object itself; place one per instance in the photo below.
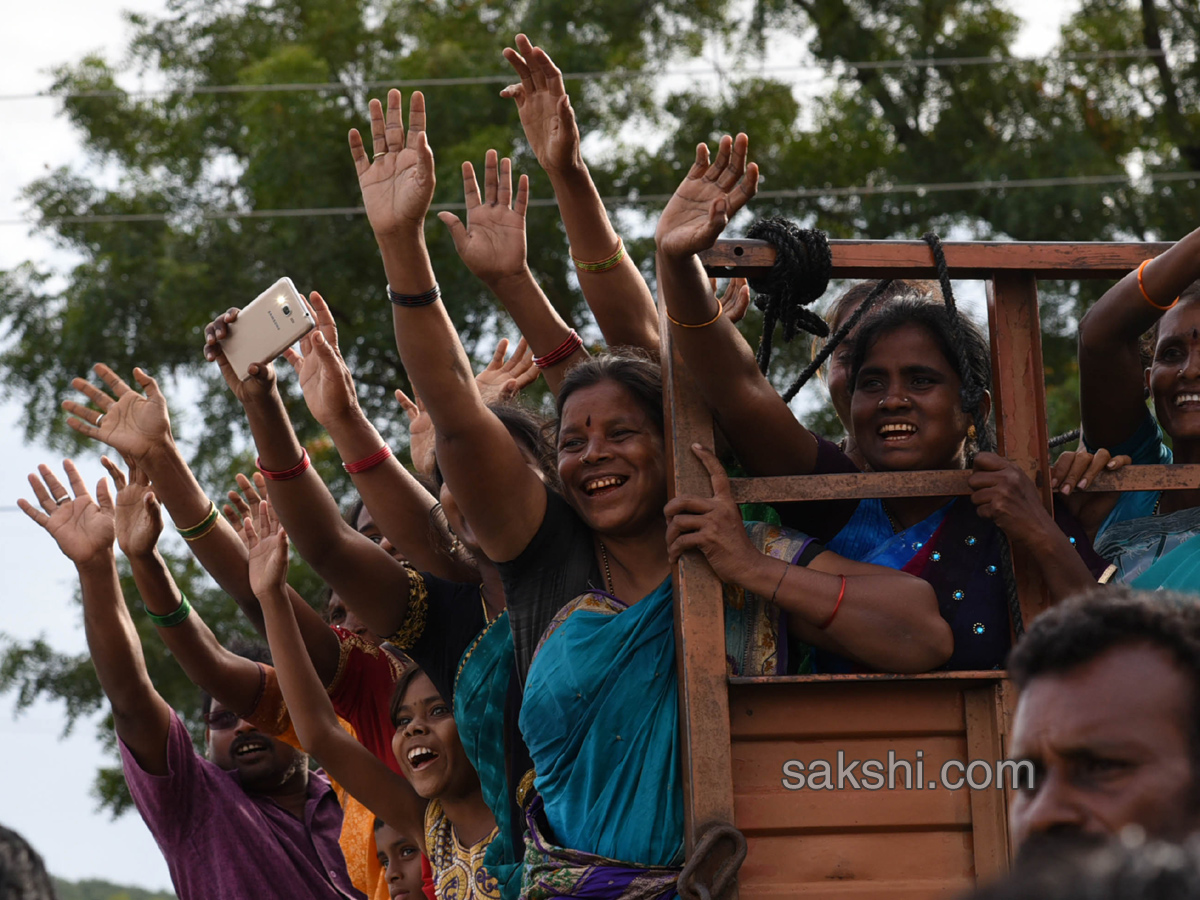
(205, 526)
(172, 619)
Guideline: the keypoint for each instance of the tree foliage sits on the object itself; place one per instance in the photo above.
(140, 292)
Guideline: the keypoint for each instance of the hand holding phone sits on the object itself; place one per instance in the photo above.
(272, 322)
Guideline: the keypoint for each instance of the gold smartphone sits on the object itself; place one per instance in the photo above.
(276, 319)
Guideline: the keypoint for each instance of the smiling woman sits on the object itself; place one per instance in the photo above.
(1150, 535)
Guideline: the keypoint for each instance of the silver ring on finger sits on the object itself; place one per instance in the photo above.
(61, 500)
(99, 419)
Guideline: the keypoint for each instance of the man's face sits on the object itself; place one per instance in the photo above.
(1111, 747)
(261, 762)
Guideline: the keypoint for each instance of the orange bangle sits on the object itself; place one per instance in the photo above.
(674, 321)
(1142, 288)
(836, 607)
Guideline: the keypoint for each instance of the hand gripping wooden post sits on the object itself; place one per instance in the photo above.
(911, 841)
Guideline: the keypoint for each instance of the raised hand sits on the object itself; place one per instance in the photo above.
(82, 527)
(139, 519)
(709, 196)
(504, 379)
(245, 504)
(133, 424)
(262, 377)
(422, 440)
(736, 299)
(324, 376)
(712, 525)
(544, 107)
(1003, 493)
(397, 182)
(492, 243)
(1076, 469)
(267, 544)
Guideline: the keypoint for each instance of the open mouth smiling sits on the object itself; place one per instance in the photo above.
(603, 484)
(421, 757)
(248, 747)
(1184, 399)
(897, 431)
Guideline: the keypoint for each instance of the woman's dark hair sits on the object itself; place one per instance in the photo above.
(899, 289)
(634, 370)
(528, 429)
(1149, 342)
(398, 692)
(961, 341)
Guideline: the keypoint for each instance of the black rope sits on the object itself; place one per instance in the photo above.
(973, 390)
(800, 274)
(830, 345)
(1065, 438)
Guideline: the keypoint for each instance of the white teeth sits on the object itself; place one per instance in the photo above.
(898, 428)
(417, 752)
(601, 483)
(1181, 399)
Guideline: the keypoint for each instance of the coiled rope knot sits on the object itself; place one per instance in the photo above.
(693, 885)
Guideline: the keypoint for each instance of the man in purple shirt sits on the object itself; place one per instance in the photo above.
(248, 822)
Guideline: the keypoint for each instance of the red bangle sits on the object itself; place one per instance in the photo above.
(559, 353)
(368, 462)
(287, 474)
(837, 606)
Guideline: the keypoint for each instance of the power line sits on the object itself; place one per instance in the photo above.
(614, 74)
(639, 199)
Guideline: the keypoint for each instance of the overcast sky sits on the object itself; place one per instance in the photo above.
(46, 788)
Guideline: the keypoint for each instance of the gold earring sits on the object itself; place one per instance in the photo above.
(971, 432)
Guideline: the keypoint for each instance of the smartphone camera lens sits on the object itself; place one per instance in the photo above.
(287, 310)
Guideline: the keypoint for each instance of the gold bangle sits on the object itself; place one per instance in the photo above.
(205, 525)
(674, 321)
(1142, 288)
(603, 265)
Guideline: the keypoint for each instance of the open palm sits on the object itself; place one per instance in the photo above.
(711, 193)
(133, 424)
(492, 243)
(82, 527)
(397, 182)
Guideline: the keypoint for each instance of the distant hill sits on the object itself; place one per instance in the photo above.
(103, 890)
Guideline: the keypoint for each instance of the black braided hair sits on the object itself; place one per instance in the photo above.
(800, 274)
(840, 335)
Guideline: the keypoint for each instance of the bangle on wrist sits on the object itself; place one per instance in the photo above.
(786, 568)
(170, 620)
(602, 265)
(674, 321)
(368, 462)
(287, 474)
(572, 343)
(836, 606)
(1142, 288)
(203, 527)
(422, 299)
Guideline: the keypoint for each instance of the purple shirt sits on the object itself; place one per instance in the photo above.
(221, 843)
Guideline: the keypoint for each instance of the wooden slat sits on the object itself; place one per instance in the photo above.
(876, 860)
(699, 621)
(976, 259)
(939, 483)
(814, 710)
(765, 805)
(912, 889)
(1019, 394)
(989, 809)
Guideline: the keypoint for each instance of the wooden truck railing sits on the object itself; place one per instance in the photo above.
(920, 843)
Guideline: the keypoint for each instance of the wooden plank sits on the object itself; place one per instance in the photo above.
(910, 889)
(872, 860)
(699, 620)
(966, 259)
(989, 809)
(980, 675)
(845, 708)
(1019, 397)
(765, 805)
(938, 483)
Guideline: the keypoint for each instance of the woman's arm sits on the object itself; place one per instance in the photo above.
(367, 779)
(1111, 383)
(498, 494)
(761, 429)
(1003, 493)
(367, 577)
(234, 681)
(84, 531)
(885, 619)
(494, 250)
(618, 295)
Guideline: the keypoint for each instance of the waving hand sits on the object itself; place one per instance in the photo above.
(397, 182)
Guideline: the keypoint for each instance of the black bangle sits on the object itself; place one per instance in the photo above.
(423, 299)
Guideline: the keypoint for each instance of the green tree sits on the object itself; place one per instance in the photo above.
(141, 291)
